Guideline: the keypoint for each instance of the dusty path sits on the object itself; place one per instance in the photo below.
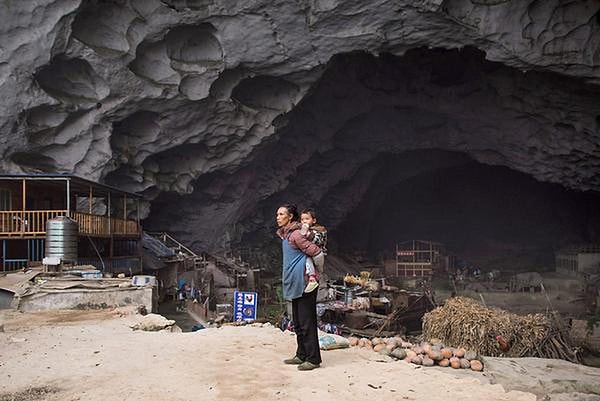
(103, 359)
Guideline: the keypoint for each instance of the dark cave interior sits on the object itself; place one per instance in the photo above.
(437, 145)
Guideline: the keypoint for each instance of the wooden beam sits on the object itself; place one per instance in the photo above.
(24, 188)
(68, 196)
(109, 220)
(23, 208)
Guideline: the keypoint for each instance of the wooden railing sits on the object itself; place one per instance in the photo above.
(102, 226)
(28, 223)
(92, 224)
(32, 223)
(124, 227)
(13, 264)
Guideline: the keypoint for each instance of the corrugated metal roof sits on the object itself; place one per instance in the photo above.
(157, 247)
(64, 176)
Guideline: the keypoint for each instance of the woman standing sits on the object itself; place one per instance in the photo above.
(304, 314)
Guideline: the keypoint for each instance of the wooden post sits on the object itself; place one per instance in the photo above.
(125, 213)
(68, 197)
(138, 254)
(137, 209)
(109, 219)
(431, 255)
(23, 208)
(397, 262)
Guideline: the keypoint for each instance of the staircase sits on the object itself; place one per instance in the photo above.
(238, 273)
(182, 252)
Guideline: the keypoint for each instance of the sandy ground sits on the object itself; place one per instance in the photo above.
(96, 356)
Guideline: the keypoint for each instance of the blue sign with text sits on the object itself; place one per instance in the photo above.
(244, 306)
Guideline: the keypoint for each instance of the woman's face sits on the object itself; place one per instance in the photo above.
(283, 217)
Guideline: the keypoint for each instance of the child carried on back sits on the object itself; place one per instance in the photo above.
(318, 235)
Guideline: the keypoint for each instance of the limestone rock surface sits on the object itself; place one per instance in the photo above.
(218, 110)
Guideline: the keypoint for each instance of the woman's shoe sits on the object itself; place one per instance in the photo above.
(308, 366)
(293, 361)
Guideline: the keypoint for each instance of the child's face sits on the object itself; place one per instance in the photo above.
(306, 218)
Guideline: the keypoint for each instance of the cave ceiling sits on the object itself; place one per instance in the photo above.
(217, 111)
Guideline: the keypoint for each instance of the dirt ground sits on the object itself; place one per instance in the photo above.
(94, 355)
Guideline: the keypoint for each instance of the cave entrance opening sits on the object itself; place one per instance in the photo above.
(489, 216)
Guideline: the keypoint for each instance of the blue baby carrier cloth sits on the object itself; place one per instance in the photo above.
(294, 262)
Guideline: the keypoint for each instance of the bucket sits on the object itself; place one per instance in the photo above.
(142, 280)
(91, 274)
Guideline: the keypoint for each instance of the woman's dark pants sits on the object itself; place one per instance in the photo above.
(304, 314)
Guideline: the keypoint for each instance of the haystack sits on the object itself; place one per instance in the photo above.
(463, 322)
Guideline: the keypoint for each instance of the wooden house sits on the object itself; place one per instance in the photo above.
(416, 258)
(577, 260)
(108, 235)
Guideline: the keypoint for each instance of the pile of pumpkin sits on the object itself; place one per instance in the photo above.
(424, 354)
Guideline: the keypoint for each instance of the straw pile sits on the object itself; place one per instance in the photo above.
(463, 322)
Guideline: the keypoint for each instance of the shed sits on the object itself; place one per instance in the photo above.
(578, 259)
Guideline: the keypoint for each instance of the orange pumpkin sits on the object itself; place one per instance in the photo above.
(447, 353)
(378, 347)
(476, 365)
(459, 352)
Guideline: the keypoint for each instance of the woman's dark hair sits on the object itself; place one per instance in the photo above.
(310, 211)
(293, 210)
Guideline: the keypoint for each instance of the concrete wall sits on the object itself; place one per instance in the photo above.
(199, 312)
(221, 279)
(522, 303)
(87, 299)
(588, 262)
(569, 284)
(566, 264)
(167, 275)
(6, 298)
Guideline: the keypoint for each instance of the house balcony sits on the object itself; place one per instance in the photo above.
(32, 224)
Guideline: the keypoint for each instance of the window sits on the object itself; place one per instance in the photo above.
(5, 199)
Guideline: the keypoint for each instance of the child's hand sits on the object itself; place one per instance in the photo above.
(304, 229)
